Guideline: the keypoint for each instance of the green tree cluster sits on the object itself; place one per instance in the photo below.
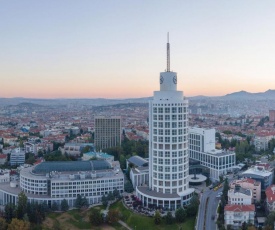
(56, 156)
(32, 212)
(64, 205)
(157, 218)
(180, 215)
(193, 207)
(127, 149)
(81, 202)
(113, 216)
(96, 218)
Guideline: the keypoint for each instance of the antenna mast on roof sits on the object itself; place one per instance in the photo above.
(168, 53)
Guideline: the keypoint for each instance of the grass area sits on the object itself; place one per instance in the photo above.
(75, 219)
(79, 219)
(140, 222)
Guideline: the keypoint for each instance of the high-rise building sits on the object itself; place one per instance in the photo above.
(168, 146)
(272, 115)
(107, 132)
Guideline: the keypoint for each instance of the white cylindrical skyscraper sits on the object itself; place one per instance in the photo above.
(168, 145)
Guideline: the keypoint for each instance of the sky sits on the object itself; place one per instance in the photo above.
(116, 49)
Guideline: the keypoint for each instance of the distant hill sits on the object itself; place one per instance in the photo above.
(243, 95)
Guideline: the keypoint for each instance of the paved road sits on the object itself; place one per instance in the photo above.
(210, 210)
(212, 206)
(201, 214)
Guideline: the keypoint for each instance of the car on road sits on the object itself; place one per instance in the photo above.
(218, 196)
(220, 193)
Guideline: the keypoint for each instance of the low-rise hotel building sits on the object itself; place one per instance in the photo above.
(54, 181)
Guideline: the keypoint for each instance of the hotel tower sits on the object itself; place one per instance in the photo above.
(168, 146)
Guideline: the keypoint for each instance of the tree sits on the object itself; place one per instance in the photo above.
(180, 215)
(193, 207)
(86, 149)
(36, 212)
(54, 206)
(85, 202)
(122, 161)
(169, 218)
(96, 218)
(270, 219)
(22, 205)
(78, 201)
(157, 218)
(110, 196)
(128, 187)
(17, 224)
(104, 200)
(3, 224)
(244, 226)
(113, 216)
(9, 212)
(64, 205)
(116, 193)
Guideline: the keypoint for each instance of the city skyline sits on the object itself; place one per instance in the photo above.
(115, 50)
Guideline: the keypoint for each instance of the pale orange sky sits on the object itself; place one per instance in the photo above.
(117, 49)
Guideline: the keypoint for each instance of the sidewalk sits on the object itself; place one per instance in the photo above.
(124, 224)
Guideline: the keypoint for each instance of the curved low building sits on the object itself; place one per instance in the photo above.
(54, 181)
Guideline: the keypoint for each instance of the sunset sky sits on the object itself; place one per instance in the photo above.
(116, 49)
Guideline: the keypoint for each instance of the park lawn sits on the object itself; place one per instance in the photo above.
(140, 222)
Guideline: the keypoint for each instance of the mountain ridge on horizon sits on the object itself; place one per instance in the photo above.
(240, 95)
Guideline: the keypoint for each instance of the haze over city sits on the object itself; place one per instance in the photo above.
(116, 49)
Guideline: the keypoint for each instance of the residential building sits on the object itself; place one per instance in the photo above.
(272, 115)
(236, 215)
(30, 147)
(168, 146)
(17, 157)
(54, 181)
(248, 183)
(74, 149)
(261, 173)
(3, 159)
(4, 176)
(239, 195)
(107, 132)
(202, 149)
(261, 141)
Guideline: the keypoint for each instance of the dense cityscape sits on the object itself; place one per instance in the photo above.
(36, 132)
